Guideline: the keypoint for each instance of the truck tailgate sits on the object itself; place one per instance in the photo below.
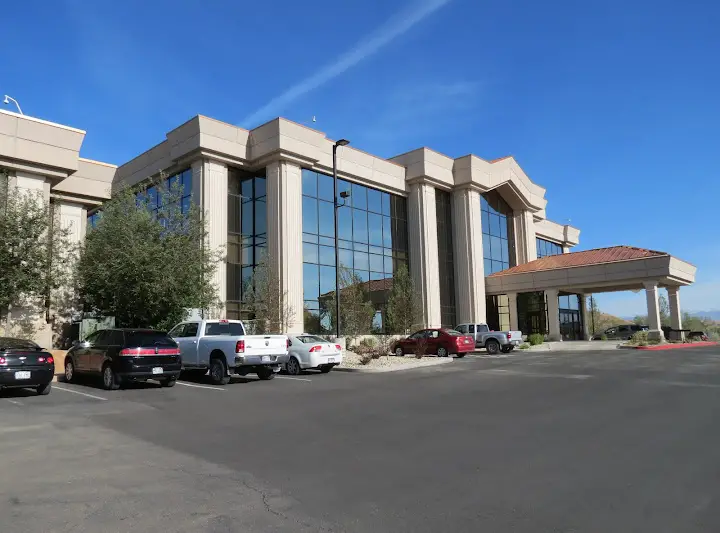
(515, 336)
(265, 344)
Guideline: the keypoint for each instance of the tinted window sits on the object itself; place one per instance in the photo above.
(92, 337)
(463, 328)
(115, 338)
(102, 338)
(147, 338)
(482, 328)
(453, 333)
(191, 330)
(224, 328)
(310, 339)
(471, 328)
(177, 331)
(6, 342)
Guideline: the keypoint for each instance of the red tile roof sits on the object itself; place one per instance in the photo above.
(584, 258)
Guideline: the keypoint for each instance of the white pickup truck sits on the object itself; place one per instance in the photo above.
(222, 347)
(492, 341)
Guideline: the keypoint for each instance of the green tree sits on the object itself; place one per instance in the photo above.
(35, 253)
(266, 302)
(403, 308)
(642, 320)
(146, 267)
(356, 309)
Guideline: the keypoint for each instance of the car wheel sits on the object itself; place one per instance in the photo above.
(110, 379)
(492, 347)
(399, 352)
(265, 373)
(44, 390)
(69, 371)
(326, 368)
(168, 382)
(507, 349)
(218, 373)
(442, 352)
(293, 366)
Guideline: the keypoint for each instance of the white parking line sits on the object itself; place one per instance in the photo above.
(503, 372)
(14, 401)
(81, 393)
(198, 386)
(296, 379)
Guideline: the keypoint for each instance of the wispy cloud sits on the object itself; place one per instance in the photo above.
(385, 34)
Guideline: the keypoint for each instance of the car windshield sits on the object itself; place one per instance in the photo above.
(9, 343)
(148, 338)
(453, 332)
(310, 339)
(234, 329)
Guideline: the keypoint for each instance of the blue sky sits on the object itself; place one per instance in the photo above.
(611, 105)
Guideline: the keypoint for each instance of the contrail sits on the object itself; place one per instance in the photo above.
(393, 28)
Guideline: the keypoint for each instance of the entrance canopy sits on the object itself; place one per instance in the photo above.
(617, 268)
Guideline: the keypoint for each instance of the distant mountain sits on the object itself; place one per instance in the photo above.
(713, 314)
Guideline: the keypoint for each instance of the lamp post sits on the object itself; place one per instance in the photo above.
(9, 99)
(341, 142)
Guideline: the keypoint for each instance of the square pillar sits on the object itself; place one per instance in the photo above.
(584, 317)
(525, 244)
(553, 314)
(651, 293)
(424, 267)
(210, 189)
(468, 247)
(284, 234)
(675, 313)
(512, 307)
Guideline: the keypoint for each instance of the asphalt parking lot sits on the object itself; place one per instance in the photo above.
(592, 441)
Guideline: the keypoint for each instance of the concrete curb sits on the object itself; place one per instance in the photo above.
(409, 366)
(658, 347)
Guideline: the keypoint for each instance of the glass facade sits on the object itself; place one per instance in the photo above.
(497, 228)
(179, 184)
(546, 248)
(247, 235)
(443, 212)
(372, 233)
(498, 312)
(532, 313)
(570, 317)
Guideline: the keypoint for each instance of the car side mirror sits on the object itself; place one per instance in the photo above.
(75, 343)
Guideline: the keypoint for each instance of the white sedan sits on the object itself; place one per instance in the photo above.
(308, 351)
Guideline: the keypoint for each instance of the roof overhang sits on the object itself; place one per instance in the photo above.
(628, 274)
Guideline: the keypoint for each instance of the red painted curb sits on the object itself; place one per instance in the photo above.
(676, 346)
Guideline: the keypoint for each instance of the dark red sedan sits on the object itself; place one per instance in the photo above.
(440, 341)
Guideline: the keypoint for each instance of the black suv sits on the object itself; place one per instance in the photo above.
(624, 332)
(123, 355)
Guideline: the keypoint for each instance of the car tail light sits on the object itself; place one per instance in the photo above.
(41, 359)
(223, 321)
(240, 346)
(315, 349)
(338, 347)
(50, 360)
(509, 335)
(2, 361)
(132, 352)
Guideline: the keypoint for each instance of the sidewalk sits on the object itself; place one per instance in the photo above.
(576, 346)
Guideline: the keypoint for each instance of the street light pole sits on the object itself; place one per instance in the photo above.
(341, 142)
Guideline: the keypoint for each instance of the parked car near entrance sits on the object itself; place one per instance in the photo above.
(23, 364)
(621, 332)
(442, 342)
(223, 348)
(308, 351)
(492, 341)
(121, 356)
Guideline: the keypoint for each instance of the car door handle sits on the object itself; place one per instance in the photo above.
(194, 342)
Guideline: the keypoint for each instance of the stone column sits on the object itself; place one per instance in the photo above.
(675, 314)
(424, 268)
(512, 306)
(210, 180)
(553, 312)
(584, 317)
(284, 234)
(525, 245)
(655, 333)
(469, 269)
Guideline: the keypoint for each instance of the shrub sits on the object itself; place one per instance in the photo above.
(524, 346)
(368, 342)
(366, 358)
(603, 337)
(536, 338)
(639, 337)
(421, 348)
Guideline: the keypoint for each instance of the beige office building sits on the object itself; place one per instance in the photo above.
(473, 232)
